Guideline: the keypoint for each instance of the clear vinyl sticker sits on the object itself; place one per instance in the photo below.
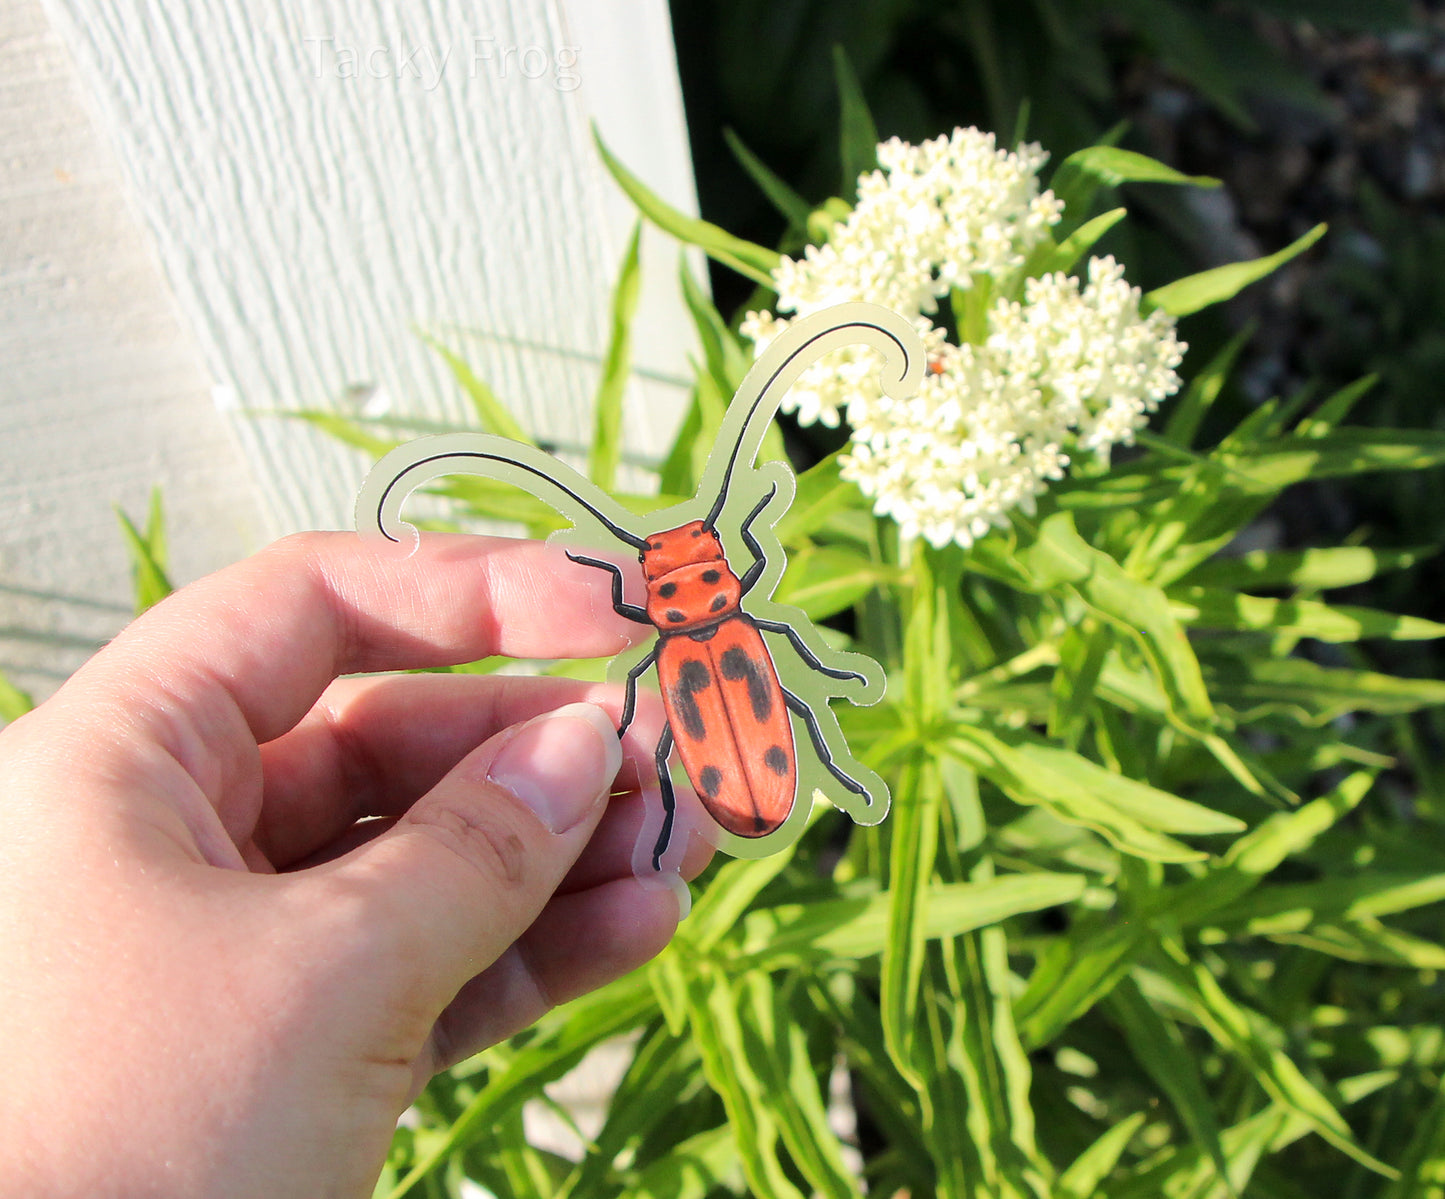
(745, 682)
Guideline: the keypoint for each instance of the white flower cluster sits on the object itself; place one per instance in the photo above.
(1066, 365)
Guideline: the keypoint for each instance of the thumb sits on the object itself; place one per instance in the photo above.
(463, 874)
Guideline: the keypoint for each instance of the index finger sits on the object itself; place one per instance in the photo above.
(263, 638)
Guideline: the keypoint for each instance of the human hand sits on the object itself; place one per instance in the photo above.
(213, 980)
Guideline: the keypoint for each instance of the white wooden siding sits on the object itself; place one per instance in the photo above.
(315, 181)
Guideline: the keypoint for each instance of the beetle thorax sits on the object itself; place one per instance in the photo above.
(689, 583)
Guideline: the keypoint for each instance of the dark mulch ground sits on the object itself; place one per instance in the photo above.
(1370, 161)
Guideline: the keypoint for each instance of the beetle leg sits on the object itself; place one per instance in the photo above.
(755, 571)
(801, 647)
(629, 701)
(631, 611)
(820, 747)
(669, 798)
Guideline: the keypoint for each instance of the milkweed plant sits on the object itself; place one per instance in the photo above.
(1156, 910)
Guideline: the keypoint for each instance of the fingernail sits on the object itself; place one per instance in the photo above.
(560, 765)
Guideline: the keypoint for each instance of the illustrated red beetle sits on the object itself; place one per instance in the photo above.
(727, 710)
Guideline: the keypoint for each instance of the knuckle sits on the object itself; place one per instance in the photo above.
(533, 977)
(482, 840)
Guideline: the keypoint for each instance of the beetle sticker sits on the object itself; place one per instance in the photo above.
(745, 681)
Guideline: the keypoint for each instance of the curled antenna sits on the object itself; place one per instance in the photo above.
(803, 343)
(409, 466)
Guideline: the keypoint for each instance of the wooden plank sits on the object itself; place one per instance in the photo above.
(102, 393)
(308, 211)
(324, 179)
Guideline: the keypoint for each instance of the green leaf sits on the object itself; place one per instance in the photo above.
(784, 198)
(1314, 695)
(825, 581)
(1209, 608)
(956, 1129)
(857, 135)
(1334, 409)
(1083, 172)
(725, 353)
(1058, 555)
(1196, 51)
(1187, 1170)
(1113, 166)
(894, 1104)
(1183, 1171)
(1029, 777)
(1148, 805)
(1158, 1047)
(1190, 294)
(1274, 465)
(831, 213)
(1420, 1162)
(911, 858)
(1083, 649)
(607, 431)
(1074, 974)
(754, 261)
(1369, 894)
(491, 412)
(1368, 942)
(148, 555)
(662, 1069)
(683, 467)
(732, 890)
(989, 966)
(1086, 1173)
(1240, 1031)
(1260, 851)
(821, 496)
(728, 1060)
(978, 1074)
(1067, 253)
(960, 787)
(1310, 570)
(560, 1040)
(14, 703)
(347, 430)
(495, 500)
(1189, 411)
(1076, 188)
(779, 1049)
(703, 1165)
(856, 928)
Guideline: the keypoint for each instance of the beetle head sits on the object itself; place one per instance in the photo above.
(683, 546)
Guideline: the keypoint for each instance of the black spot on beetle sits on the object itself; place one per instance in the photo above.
(759, 825)
(776, 760)
(692, 677)
(667, 590)
(676, 617)
(710, 576)
(706, 634)
(719, 602)
(710, 780)
(697, 532)
(737, 664)
(654, 545)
